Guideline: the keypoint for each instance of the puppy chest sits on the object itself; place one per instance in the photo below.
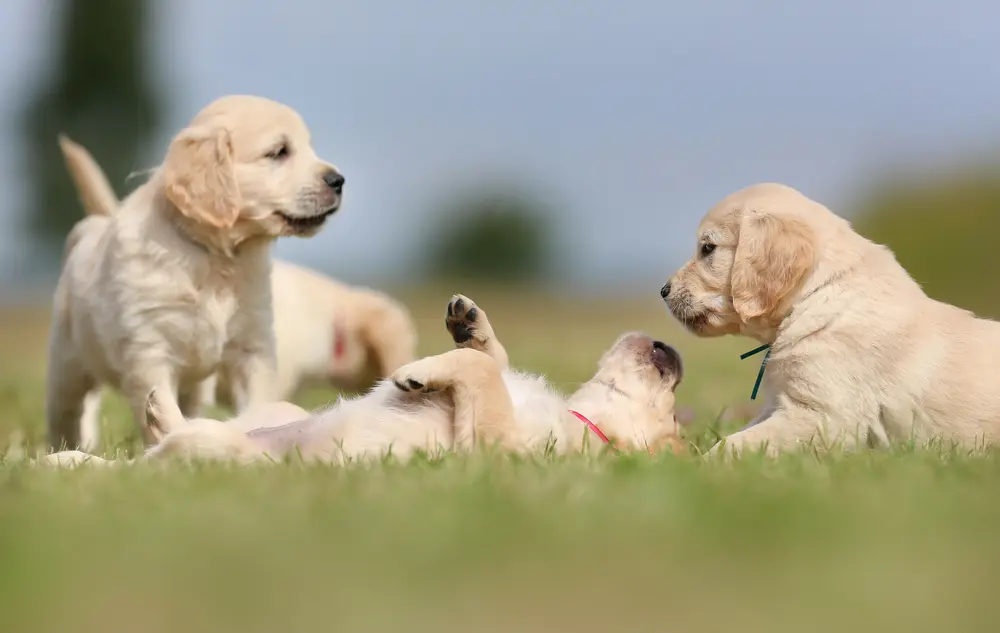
(207, 330)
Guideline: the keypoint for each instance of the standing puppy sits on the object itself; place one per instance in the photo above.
(325, 330)
(174, 285)
(859, 354)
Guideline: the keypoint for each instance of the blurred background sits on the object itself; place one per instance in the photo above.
(574, 147)
(578, 142)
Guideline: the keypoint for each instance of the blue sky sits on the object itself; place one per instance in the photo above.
(633, 116)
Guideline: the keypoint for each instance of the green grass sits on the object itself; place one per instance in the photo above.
(896, 541)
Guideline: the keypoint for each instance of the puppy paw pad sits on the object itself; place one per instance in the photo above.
(461, 319)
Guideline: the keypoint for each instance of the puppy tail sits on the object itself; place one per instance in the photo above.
(92, 186)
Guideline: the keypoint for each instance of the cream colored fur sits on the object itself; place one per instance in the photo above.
(860, 355)
(173, 284)
(458, 400)
(325, 330)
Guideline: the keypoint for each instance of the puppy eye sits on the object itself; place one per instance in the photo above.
(281, 152)
(707, 249)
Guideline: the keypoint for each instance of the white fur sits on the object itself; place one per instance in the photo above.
(453, 401)
(173, 284)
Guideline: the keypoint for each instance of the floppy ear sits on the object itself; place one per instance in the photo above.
(773, 257)
(199, 178)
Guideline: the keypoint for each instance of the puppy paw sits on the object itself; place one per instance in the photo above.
(72, 459)
(418, 377)
(461, 319)
(467, 323)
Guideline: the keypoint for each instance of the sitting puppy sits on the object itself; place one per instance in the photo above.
(454, 401)
(324, 330)
(174, 285)
(859, 354)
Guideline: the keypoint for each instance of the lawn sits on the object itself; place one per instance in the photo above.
(900, 541)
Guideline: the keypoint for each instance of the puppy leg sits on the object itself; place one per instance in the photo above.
(470, 329)
(249, 365)
(90, 421)
(67, 389)
(208, 389)
(251, 379)
(484, 413)
(139, 385)
(189, 399)
(287, 381)
(788, 429)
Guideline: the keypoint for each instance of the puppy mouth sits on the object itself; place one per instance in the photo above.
(694, 321)
(667, 360)
(306, 223)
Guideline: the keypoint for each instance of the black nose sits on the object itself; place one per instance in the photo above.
(665, 290)
(334, 180)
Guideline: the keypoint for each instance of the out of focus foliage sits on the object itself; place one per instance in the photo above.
(492, 233)
(943, 228)
(99, 90)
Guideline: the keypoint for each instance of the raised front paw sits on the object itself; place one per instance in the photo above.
(468, 324)
(418, 377)
(461, 319)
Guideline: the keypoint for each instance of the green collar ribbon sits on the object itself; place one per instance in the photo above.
(763, 366)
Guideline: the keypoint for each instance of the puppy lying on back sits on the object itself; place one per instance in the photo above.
(455, 401)
(174, 285)
(859, 354)
(324, 330)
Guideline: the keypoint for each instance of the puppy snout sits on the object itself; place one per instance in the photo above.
(667, 359)
(665, 290)
(334, 180)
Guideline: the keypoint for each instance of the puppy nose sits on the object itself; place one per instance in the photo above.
(334, 180)
(665, 290)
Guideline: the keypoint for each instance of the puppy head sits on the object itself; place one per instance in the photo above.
(245, 165)
(754, 251)
(631, 397)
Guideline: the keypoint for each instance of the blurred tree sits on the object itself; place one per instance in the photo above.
(98, 90)
(496, 233)
(942, 228)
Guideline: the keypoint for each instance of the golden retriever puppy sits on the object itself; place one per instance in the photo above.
(325, 330)
(859, 354)
(174, 284)
(454, 401)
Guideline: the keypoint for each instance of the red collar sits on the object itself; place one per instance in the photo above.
(593, 427)
(339, 344)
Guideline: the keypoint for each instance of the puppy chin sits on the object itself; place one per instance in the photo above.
(699, 323)
(303, 224)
